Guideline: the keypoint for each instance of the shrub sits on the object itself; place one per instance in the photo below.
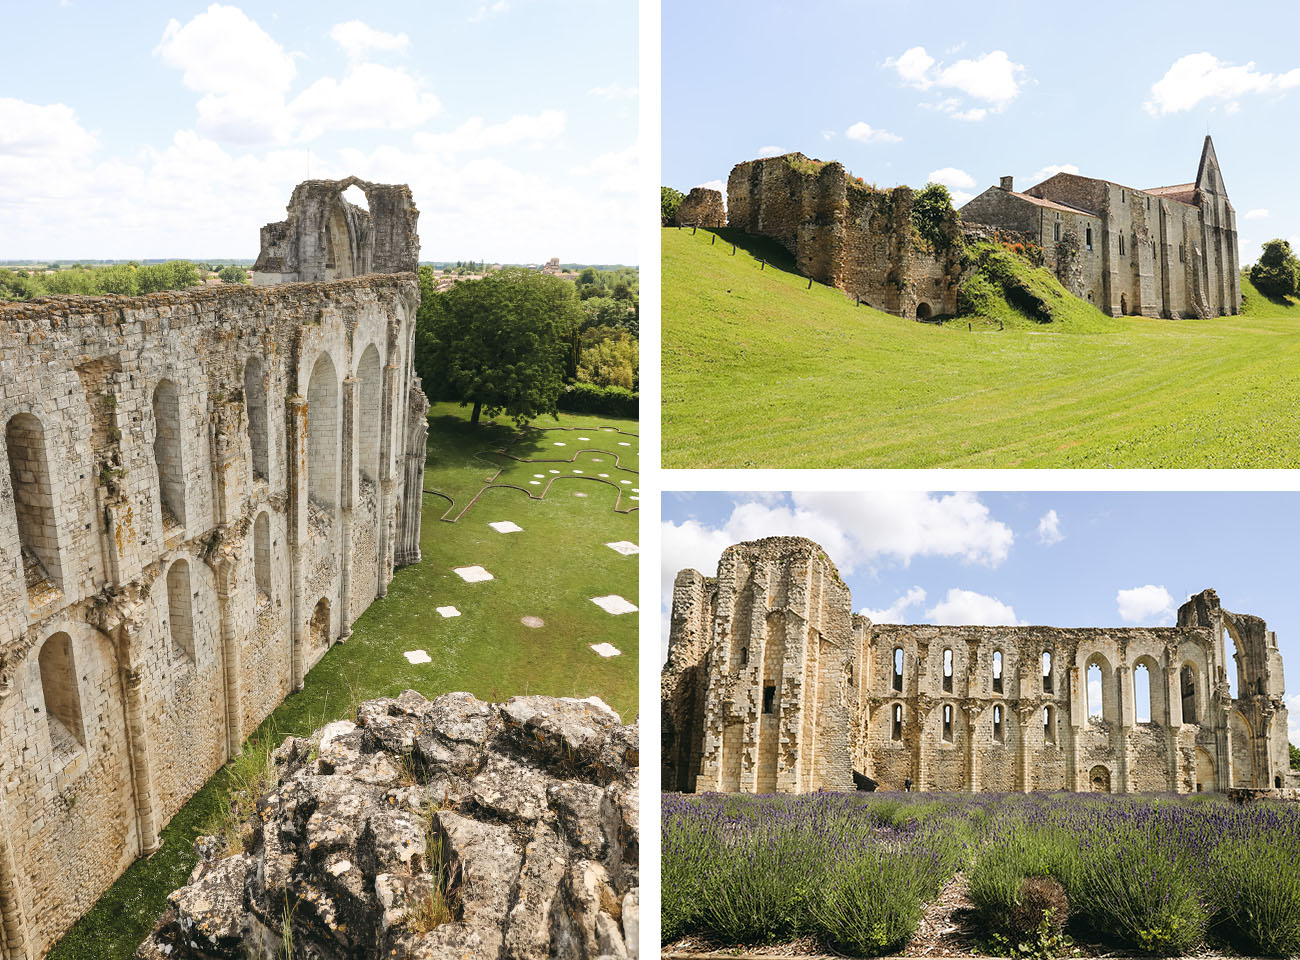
(1277, 274)
(669, 201)
(609, 401)
(1041, 900)
(1259, 895)
(870, 904)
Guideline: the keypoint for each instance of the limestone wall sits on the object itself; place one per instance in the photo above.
(172, 510)
(845, 233)
(702, 207)
(800, 694)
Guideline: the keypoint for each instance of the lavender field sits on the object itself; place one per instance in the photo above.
(1154, 874)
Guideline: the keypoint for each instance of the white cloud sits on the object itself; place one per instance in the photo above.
(865, 133)
(222, 52)
(828, 134)
(992, 78)
(854, 529)
(617, 171)
(962, 607)
(32, 130)
(1145, 604)
(357, 39)
(1293, 718)
(895, 611)
(771, 152)
(1258, 214)
(1051, 170)
(1198, 77)
(476, 134)
(615, 91)
(952, 177)
(369, 97)
(1049, 528)
(489, 10)
(913, 67)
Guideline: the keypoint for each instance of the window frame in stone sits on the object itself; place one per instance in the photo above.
(947, 733)
(896, 723)
(947, 669)
(1047, 661)
(769, 700)
(180, 610)
(64, 716)
(996, 670)
(899, 664)
(999, 724)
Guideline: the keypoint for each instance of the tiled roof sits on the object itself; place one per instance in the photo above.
(1182, 192)
(1052, 204)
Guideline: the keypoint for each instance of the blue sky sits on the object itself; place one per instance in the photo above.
(178, 129)
(1060, 559)
(905, 91)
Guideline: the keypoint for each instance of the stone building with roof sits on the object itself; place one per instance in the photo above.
(1161, 252)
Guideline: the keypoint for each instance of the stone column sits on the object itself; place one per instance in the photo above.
(1078, 705)
(1173, 723)
(296, 483)
(417, 433)
(973, 714)
(227, 589)
(1125, 717)
(1023, 716)
(1264, 742)
(11, 909)
(387, 433)
(347, 500)
(921, 769)
(137, 734)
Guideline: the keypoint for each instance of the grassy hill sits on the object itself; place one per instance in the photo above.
(761, 371)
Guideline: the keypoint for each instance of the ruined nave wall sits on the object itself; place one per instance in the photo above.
(185, 480)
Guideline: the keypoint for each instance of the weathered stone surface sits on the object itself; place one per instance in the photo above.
(523, 814)
(327, 238)
(773, 684)
(702, 207)
(200, 491)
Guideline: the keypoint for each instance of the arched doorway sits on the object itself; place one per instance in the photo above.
(1204, 771)
(1099, 779)
(320, 625)
(923, 311)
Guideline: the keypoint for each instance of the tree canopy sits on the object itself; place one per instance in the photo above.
(932, 214)
(669, 201)
(499, 343)
(1277, 274)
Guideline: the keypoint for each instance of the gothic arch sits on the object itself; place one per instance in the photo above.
(323, 447)
(34, 499)
(367, 422)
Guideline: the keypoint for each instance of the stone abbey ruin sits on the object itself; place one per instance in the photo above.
(1163, 252)
(773, 684)
(201, 491)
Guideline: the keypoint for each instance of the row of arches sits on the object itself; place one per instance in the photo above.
(1102, 691)
(40, 543)
(948, 728)
(899, 679)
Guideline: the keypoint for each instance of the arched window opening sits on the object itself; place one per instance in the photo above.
(33, 492)
(1094, 692)
(997, 671)
(947, 671)
(262, 555)
(62, 695)
(947, 723)
(258, 423)
(1187, 685)
(167, 452)
(898, 669)
(180, 610)
(897, 732)
(997, 724)
(323, 435)
(1233, 664)
(320, 625)
(1142, 693)
(1049, 725)
(1047, 671)
(369, 373)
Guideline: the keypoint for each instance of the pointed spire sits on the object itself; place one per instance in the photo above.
(1208, 176)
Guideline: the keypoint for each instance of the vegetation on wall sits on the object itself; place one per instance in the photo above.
(934, 218)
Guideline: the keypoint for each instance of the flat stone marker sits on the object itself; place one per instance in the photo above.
(506, 526)
(475, 574)
(625, 547)
(417, 656)
(628, 482)
(635, 498)
(535, 483)
(540, 476)
(605, 475)
(624, 443)
(607, 650)
(584, 438)
(557, 443)
(579, 493)
(533, 622)
(613, 604)
(577, 471)
(552, 471)
(448, 612)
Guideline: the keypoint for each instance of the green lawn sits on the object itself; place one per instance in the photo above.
(760, 371)
(551, 569)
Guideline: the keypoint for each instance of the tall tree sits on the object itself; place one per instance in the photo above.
(501, 342)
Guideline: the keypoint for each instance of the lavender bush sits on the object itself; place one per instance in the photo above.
(1159, 874)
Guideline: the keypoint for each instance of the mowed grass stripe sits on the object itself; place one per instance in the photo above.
(773, 374)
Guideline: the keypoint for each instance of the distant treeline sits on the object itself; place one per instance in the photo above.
(127, 279)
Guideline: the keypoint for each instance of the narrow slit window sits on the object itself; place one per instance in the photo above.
(1049, 733)
(897, 733)
(997, 724)
(769, 699)
(898, 669)
(744, 656)
(947, 723)
(1047, 671)
(1088, 236)
(997, 671)
(947, 671)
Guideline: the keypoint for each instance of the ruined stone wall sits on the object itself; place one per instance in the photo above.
(963, 708)
(702, 207)
(161, 554)
(845, 233)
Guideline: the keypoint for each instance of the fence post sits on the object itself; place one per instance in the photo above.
(762, 264)
(733, 249)
(692, 229)
(968, 329)
(713, 239)
(810, 283)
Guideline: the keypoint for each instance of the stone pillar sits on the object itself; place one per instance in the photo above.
(973, 713)
(1173, 724)
(1125, 718)
(1078, 717)
(347, 501)
(137, 734)
(921, 768)
(11, 909)
(227, 589)
(296, 482)
(1024, 714)
(1264, 742)
(417, 433)
(389, 426)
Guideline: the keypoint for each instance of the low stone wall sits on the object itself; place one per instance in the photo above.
(702, 208)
